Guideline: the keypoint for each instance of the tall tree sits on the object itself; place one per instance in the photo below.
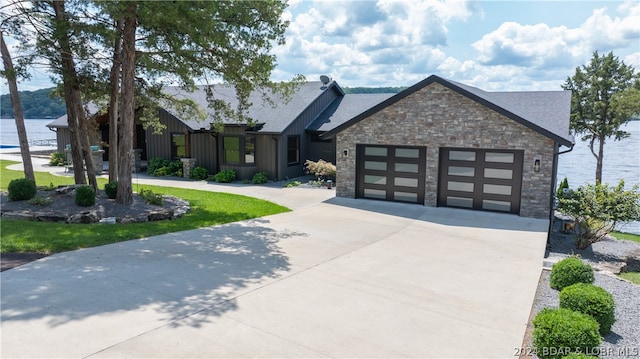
(73, 97)
(125, 142)
(10, 74)
(605, 96)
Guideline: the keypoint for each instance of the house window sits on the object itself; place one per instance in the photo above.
(293, 150)
(239, 149)
(178, 145)
(231, 149)
(250, 149)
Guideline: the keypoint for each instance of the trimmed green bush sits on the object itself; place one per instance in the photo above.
(57, 159)
(259, 178)
(22, 189)
(151, 197)
(559, 332)
(570, 271)
(111, 189)
(160, 167)
(199, 173)
(85, 196)
(579, 356)
(591, 300)
(225, 176)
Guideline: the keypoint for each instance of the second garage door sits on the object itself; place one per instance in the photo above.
(488, 180)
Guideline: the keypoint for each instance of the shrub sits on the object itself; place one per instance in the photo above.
(291, 184)
(579, 356)
(151, 197)
(161, 167)
(321, 169)
(199, 173)
(591, 300)
(111, 189)
(559, 332)
(40, 201)
(570, 271)
(21, 189)
(57, 159)
(260, 177)
(155, 164)
(225, 176)
(85, 196)
(598, 209)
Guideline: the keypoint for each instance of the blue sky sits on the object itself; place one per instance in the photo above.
(494, 45)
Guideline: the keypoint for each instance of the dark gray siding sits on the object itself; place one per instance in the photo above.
(266, 155)
(298, 127)
(203, 149)
(325, 150)
(63, 137)
(160, 145)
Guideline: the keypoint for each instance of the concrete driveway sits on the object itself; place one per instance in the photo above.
(339, 278)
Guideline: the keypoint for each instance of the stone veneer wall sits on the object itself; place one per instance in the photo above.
(436, 116)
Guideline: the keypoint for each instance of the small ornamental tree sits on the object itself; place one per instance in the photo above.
(321, 169)
(598, 209)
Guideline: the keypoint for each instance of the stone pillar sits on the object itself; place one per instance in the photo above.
(97, 159)
(187, 165)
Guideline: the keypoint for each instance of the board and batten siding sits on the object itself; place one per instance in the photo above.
(160, 145)
(298, 127)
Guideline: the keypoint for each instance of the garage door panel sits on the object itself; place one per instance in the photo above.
(481, 179)
(393, 173)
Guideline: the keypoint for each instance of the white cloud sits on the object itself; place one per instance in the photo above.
(543, 46)
(633, 60)
(375, 42)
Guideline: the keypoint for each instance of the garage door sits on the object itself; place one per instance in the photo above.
(391, 173)
(487, 180)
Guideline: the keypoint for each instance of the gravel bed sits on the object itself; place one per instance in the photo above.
(624, 339)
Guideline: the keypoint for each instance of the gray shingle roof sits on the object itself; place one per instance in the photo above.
(345, 108)
(547, 112)
(275, 119)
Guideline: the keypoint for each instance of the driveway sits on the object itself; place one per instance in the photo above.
(335, 278)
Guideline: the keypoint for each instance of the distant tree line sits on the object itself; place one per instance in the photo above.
(35, 104)
(41, 103)
(352, 90)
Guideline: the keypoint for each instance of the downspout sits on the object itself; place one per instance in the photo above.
(554, 179)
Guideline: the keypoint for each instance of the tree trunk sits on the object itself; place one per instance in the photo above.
(599, 159)
(113, 105)
(125, 144)
(69, 82)
(17, 110)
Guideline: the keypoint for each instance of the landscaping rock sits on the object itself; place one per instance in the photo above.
(611, 267)
(160, 215)
(28, 215)
(633, 261)
(92, 216)
(53, 216)
(108, 220)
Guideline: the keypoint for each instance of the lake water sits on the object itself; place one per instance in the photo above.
(621, 158)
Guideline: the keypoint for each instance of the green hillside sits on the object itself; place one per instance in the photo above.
(35, 104)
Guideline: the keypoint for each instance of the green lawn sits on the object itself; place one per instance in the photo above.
(207, 209)
(627, 236)
(631, 276)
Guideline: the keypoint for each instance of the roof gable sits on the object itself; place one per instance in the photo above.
(273, 118)
(546, 112)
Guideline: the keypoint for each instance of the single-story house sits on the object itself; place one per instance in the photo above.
(437, 143)
(443, 143)
(282, 138)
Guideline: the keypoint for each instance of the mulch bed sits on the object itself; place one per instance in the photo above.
(12, 260)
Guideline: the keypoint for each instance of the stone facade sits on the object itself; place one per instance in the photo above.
(436, 116)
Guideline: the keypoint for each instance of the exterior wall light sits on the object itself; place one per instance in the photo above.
(345, 153)
(536, 165)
